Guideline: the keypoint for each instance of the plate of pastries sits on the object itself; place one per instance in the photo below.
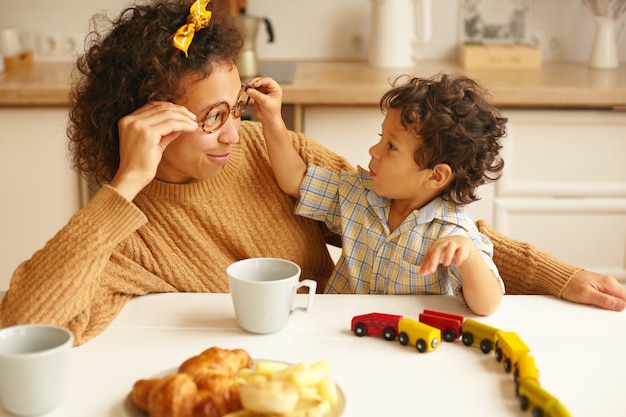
(229, 383)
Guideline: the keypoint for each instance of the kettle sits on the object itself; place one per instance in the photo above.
(248, 26)
(397, 26)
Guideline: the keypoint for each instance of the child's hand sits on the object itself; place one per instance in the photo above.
(449, 250)
(267, 95)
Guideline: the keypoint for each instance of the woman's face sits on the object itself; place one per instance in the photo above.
(196, 156)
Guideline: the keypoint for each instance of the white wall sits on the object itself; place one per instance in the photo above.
(321, 29)
(39, 188)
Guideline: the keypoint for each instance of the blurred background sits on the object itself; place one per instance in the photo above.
(321, 29)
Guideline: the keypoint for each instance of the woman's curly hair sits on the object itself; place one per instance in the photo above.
(457, 126)
(130, 62)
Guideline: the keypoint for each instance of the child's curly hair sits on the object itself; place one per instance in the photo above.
(457, 126)
(132, 63)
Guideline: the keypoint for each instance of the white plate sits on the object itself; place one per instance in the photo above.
(130, 410)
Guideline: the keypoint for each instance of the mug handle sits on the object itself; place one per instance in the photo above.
(312, 286)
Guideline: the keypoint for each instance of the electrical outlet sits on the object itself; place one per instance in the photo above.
(72, 44)
(49, 43)
(59, 46)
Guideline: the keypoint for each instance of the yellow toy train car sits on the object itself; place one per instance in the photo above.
(475, 333)
(539, 401)
(424, 337)
(525, 369)
(509, 349)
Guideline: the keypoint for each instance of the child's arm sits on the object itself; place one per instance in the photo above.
(289, 168)
(481, 289)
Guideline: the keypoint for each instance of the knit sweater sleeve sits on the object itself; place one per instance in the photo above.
(64, 282)
(525, 269)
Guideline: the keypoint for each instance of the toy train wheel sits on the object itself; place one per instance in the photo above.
(468, 339)
(449, 335)
(499, 354)
(403, 338)
(537, 412)
(389, 333)
(360, 329)
(507, 365)
(523, 402)
(421, 345)
(485, 346)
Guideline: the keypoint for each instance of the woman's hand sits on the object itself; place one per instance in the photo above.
(604, 291)
(144, 135)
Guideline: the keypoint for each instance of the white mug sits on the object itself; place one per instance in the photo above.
(34, 367)
(263, 292)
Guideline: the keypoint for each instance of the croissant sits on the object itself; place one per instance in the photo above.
(203, 386)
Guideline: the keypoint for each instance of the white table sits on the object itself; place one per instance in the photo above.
(580, 352)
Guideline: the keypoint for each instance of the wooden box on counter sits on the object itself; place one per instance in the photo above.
(499, 56)
(21, 61)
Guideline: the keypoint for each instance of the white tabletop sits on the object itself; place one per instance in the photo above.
(580, 353)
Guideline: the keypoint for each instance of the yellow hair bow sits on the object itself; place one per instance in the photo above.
(199, 17)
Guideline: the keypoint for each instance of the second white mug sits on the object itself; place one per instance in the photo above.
(34, 367)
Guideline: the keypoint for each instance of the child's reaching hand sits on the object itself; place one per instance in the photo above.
(449, 250)
(289, 168)
(481, 293)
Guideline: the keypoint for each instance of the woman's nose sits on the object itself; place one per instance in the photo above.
(230, 130)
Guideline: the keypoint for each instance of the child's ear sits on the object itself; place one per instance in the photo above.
(440, 176)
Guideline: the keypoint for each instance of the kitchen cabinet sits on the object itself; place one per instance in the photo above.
(39, 189)
(563, 188)
(564, 185)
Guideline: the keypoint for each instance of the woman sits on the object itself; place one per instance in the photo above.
(188, 188)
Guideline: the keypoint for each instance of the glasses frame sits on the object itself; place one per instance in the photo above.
(237, 111)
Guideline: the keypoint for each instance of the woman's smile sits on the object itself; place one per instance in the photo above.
(220, 159)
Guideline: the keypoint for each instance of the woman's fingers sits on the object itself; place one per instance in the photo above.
(144, 135)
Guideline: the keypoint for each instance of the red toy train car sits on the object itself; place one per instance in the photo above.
(376, 324)
(449, 324)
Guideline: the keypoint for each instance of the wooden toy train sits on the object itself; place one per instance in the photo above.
(425, 334)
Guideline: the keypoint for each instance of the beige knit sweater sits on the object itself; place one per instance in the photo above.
(181, 238)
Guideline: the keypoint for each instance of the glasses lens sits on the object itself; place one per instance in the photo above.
(241, 105)
(215, 118)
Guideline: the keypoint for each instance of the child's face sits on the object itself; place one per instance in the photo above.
(393, 169)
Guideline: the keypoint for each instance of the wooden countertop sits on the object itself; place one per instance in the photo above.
(557, 84)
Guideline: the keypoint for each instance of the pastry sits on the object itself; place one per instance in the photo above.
(203, 386)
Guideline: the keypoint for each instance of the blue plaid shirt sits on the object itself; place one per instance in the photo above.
(375, 260)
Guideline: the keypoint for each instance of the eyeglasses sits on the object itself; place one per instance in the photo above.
(218, 114)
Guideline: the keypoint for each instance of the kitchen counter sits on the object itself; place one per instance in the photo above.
(556, 85)
(44, 84)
